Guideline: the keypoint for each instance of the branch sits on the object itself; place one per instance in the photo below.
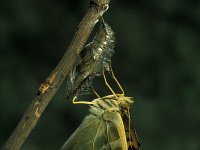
(48, 89)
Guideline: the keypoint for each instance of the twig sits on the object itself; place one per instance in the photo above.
(48, 89)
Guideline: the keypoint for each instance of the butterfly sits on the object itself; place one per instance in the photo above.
(93, 58)
(107, 127)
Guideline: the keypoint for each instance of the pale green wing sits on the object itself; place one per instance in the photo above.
(86, 135)
(94, 133)
(116, 119)
(131, 136)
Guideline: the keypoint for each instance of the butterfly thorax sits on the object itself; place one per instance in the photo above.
(110, 103)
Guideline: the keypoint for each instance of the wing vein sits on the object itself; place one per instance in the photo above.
(93, 143)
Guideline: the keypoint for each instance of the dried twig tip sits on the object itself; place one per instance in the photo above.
(101, 5)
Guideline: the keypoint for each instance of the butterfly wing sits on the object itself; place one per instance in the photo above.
(131, 136)
(116, 119)
(98, 133)
(85, 136)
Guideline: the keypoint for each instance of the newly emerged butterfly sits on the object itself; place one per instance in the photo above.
(108, 126)
(102, 129)
(93, 58)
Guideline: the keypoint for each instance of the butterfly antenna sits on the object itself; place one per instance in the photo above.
(113, 76)
(105, 80)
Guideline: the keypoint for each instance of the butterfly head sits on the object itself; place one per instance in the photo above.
(124, 101)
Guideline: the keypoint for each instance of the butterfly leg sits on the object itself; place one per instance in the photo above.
(113, 76)
(105, 80)
(80, 102)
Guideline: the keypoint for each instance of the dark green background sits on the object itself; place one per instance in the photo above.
(156, 60)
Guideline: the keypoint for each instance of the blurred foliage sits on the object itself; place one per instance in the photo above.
(156, 60)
